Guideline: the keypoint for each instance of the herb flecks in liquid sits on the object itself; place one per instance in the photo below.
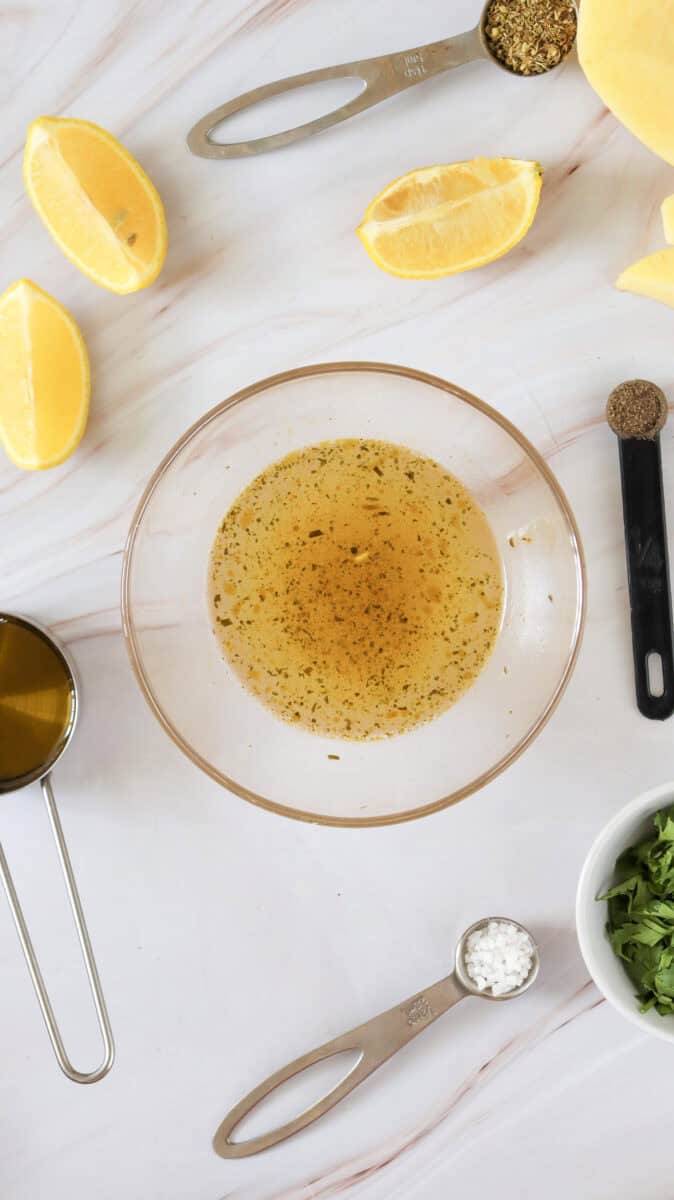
(358, 588)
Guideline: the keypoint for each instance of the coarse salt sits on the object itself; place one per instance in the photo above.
(498, 957)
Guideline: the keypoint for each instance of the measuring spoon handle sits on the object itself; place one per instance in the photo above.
(85, 945)
(375, 1042)
(381, 77)
(648, 572)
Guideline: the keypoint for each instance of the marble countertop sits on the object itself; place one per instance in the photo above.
(230, 940)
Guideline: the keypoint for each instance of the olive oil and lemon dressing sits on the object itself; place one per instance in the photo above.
(355, 587)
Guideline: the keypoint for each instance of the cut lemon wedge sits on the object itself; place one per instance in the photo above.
(667, 211)
(455, 217)
(44, 382)
(652, 276)
(96, 201)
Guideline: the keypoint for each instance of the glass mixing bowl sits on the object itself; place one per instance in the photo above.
(228, 732)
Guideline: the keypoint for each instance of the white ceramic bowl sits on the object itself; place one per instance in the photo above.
(632, 823)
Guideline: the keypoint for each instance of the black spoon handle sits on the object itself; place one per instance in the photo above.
(647, 571)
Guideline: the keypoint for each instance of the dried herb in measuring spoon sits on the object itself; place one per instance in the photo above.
(636, 409)
(530, 37)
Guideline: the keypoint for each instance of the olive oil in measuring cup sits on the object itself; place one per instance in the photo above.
(37, 703)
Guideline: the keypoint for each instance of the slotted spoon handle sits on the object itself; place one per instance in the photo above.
(375, 1042)
(381, 77)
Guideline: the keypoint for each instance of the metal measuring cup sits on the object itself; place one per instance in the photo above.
(375, 1042)
(381, 77)
(13, 699)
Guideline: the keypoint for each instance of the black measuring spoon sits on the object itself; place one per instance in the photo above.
(636, 412)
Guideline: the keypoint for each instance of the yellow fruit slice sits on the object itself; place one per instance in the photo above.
(44, 378)
(441, 220)
(626, 49)
(667, 210)
(96, 201)
(652, 276)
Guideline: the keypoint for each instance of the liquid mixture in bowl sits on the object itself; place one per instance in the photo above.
(355, 588)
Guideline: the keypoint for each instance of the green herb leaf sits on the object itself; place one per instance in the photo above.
(640, 922)
(664, 822)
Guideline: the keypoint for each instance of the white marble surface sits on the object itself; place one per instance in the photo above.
(228, 939)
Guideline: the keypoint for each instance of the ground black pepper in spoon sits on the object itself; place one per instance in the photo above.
(636, 412)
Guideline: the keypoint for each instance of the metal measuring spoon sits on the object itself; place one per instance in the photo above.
(376, 1041)
(382, 77)
(34, 674)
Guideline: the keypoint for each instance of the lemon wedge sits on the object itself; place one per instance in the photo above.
(667, 211)
(45, 380)
(652, 276)
(96, 201)
(441, 220)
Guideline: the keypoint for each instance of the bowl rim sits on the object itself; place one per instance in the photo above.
(333, 368)
(643, 805)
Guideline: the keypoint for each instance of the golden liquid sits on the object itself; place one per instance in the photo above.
(355, 587)
(36, 702)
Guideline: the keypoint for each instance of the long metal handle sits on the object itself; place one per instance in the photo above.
(381, 77)
(85, 944)
(375, 1041)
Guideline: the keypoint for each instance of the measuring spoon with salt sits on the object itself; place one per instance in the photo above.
(376, 1041)
(381, 78)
